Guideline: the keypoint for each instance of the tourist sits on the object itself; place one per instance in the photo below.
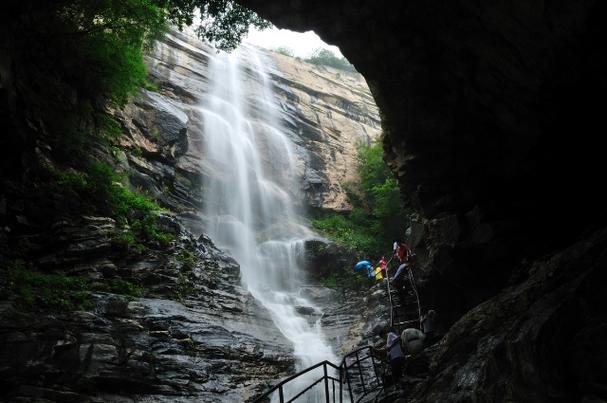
(383, 266)
(394, 353)
(403, 253)
(377, 272)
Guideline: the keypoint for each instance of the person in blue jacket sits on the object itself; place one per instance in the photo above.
(367, 265)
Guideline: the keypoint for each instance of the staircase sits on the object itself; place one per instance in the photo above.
(360, 376)
(405, 307)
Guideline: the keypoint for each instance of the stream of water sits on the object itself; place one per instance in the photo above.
(249, 194)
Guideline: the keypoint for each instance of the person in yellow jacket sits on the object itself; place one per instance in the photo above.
(378, 273)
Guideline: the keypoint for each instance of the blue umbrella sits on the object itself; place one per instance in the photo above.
(361, 264)
(368, 266)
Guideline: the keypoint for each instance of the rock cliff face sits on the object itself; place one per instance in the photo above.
(197, 335)
(326, 111)
(330, 112)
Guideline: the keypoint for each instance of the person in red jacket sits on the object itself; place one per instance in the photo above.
(402, 251)
(382, 265)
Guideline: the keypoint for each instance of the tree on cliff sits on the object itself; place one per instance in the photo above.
(69, 58)
(97, 46)
(325, 57)
(222, 22)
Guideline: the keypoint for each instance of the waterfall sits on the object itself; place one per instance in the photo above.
(249, 194)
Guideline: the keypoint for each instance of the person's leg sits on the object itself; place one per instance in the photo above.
(401, 286)
(397, 366)
(398, 276)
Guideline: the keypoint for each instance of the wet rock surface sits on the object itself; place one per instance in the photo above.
(196, 336)
(323, 257)
(351, 318)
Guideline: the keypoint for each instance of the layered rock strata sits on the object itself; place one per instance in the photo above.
(197, 335)
(330, 113)
(327, 113)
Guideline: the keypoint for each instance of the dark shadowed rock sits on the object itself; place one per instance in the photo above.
(305, 310)
(323, 257)
(197, 335)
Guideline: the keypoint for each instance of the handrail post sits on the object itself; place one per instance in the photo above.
(348, 379)
(360, 371)
(281, 395)
(390, 298)
(341, 383)
(333, 387)
(379, 382)
(324, 368)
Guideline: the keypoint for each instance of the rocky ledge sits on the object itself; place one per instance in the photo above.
(197, 335)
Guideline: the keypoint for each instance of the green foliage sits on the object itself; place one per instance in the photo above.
(71, 182)
(185, 286)
(105, 184)
(150, 85)
(380, 195)
(116, 65)
(99, 44)
(75, 56)
(147, 230)
(102, 190)
(126, 206)
(345, 279)
(378, 216)
(329, 281)
(54, 291)
(124, 287)
(128, 241)
(187, 258)
(283, 50)
(325, 57)
(223, 22)
(109, 126)
(136, 151)
(342, 228)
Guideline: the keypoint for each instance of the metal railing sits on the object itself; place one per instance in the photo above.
(359, 371)
(326, 377)
(408, 275)
(366, 379)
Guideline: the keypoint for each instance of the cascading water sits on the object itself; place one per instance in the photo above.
(248, 195)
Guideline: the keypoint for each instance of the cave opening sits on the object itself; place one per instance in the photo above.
(492, 122)
(491, 117)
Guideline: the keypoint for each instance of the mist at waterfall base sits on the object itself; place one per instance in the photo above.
(249, 192)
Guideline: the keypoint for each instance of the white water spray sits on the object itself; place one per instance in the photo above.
(248, 196)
